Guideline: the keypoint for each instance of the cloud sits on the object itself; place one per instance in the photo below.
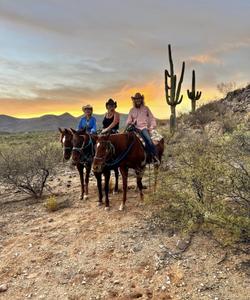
(205, 59)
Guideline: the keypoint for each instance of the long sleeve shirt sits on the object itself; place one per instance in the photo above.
(142, 118)
(89, 124)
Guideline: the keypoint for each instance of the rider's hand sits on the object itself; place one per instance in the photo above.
(104, 131)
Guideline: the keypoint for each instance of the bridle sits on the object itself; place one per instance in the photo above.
(83, 146)
(110, 151)
(84, 156)
(66, 147)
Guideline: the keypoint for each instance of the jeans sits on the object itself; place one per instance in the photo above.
(150, 147)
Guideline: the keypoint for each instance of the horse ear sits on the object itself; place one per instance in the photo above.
(73, 131)
(61, 130)
(82, 131)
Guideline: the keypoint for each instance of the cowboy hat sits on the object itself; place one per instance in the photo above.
(88, 106)
(111, 102)
(137, 96)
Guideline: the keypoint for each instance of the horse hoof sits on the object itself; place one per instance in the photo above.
(80, 197)
(121, 208)
(99, 204)
(115, 192)
(86, 197)
(107, 208)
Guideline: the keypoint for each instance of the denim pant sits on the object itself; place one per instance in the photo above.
(150, 147)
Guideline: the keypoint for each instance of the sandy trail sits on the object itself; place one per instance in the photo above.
(85, 252)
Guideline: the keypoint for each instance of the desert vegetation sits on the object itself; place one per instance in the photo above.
(189, 240)
(206, 185)
(27, 162)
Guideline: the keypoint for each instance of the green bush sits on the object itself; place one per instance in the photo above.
(206, 186)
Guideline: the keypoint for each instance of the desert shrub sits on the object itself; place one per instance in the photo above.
(51, 203)
(27, 167)
(228, 124)
(206, 114)
(207, 187)
(226, 87)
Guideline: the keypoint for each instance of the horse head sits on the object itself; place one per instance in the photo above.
(104, 152)
(83, 145)
(66, 141)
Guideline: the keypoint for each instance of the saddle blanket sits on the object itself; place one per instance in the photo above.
(155, 136)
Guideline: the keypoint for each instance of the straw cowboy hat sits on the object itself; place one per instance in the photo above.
(88, 106)
(111, 102)
(137, 96)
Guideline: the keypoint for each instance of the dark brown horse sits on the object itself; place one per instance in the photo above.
(66, 139)
(126, 151)
(82, 144)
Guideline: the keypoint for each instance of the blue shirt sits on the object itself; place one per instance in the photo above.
(90, 124)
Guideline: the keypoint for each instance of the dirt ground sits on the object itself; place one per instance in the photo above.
(84, 252)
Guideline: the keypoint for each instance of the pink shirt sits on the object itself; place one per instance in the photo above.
(142, 118)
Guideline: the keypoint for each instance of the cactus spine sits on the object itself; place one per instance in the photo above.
(193, 95)
(173, 90)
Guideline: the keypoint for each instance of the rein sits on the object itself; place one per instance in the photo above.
(116, 162)
(84, 147)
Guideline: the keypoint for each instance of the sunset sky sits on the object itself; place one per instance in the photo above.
(57, 55)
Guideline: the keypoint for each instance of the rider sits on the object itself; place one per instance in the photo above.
(112, 118)
(142, 118)
(87, 121)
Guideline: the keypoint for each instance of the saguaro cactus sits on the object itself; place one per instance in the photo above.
(173, 90)
(193, 95)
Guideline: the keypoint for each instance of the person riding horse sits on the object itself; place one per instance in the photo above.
(111, 119)
(143, 120)
(87, 122)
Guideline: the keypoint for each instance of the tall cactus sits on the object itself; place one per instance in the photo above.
(173, 90)
(193, 95)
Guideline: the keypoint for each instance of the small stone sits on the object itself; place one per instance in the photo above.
(116, 282)
(3, 288)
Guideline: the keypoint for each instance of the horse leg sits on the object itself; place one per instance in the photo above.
(139, 174)
(116, 180)
(80, 170)
(124, 172)
(98, 177)
(107, 179)
(88, 169)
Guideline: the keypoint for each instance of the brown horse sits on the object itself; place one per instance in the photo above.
(126, 151)
(82, 144)
(66, 139)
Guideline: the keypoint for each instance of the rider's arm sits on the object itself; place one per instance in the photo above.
(114, 123)
(93, 125)
(81, 124)
(151, 120)
(129, 119)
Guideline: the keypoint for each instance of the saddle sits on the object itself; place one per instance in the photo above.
(155, 136)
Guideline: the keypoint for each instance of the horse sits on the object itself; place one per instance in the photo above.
(66, 140)
(83, 141)
(126, 151)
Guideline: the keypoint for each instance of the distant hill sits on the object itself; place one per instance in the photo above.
(45, 123)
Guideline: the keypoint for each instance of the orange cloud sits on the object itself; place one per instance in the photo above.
(205, 58)
(153, 91)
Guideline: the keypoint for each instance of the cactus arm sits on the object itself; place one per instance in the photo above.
(193, 81)
(180, 82)
(170, 60)
(179, 101)
(198, 95)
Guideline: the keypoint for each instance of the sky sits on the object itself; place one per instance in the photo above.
(58, 55)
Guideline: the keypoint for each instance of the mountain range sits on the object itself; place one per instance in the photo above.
(46, 123)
